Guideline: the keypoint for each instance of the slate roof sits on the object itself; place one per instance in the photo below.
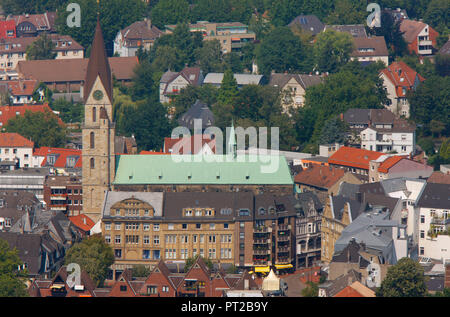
(199, 110)
(306, 81)
(338, 204)
(155, 199)
(241, 79)
(435, 195)
(140, 30)
(377, 43)
(29, 247)
(310, 23)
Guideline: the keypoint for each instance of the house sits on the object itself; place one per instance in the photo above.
(433, 207)
(308, 23)
(370, 49)
(294, 85)
(353, 160)
(71, 81)
(13, 50)
(419, 36)
(356, 290)
(323, 180)
(198, 112)
(395, 166)
(16, 148)
(439, 177)
(215, 79)
(231, 35)
(17, 210)
(159, 283)
(29, 25)
(326, 150)
(445, 49)
(307, 230)
(58, 158)
(7, 29)
(21, 91)
(9, 112)
(172, 83)
(332, 287)
(398, 79)
(196, 144)
(64, 193)
(355, 30)
(139, 34)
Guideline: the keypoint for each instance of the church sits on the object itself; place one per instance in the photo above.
(103, 170)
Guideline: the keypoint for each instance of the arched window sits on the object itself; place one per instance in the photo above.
(92, 162)
(92, 140)
(94, 114)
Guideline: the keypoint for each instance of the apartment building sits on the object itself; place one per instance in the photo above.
(231, 35)
(64, 193)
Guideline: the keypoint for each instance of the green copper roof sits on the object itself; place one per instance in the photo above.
(198, 169)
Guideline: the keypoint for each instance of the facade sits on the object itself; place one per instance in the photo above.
(16, 148)
(398, 79)
(58, 158)
(294, 86)
(13, 50)
(353, 160)
(98, 131)
(231, 35)
(7, 29)
(370, 49)
(64, 194)
(434, 212)
(420, 37)
(139, 34)
(172, 83)
(25, 179)
(21, 91)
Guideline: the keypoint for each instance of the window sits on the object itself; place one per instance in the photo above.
(422, 219)
(118, 253)
(156, 227)
(225, 253)
(212, 239)
(156, 254)
(107, 226)
(117, 226)
(117, 239)
(422, 251)
(92, 163)
(188, 212)
(198, 226)
(184, 226)
(146, 254)
(212, 226)
(212, 253)
(422, 234)
(123, 288)
(170, 226)
(152, 290)
(94, 114)
(92, 140)
(156, 240)
(244, 212)
(225, 225)
(194, 238)
(107, 238)
(146, 239)
(146, 227)
(198, 212)
(184, 253)
(225, 238)
(184, 239)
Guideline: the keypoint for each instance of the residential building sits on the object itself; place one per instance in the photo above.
(434, 226)
(215, 79)
(370, 49)
(353, 160)
(199, 112)
(308, 230)
(171, 83)
(326, 150)
(332, 287)
(30, 25)
(139, 34)
(7, 29)
(9, 112)
(308, 23)
(439, 177)
(21, 91)
(294, 86)
(445, 49)
(395, 166)
(57, 158)
(64, 193)
(16, 148)
(355, 30)
(13, 50)
(323, 180)
(17, 210)
(356, 289)
(70, 82)
(231, 35)
(398, 79)
(83, 223)
(419, 36)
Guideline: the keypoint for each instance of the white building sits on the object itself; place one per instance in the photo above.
(171, 83)
(139, 34)
(434, 222)
(16, 148)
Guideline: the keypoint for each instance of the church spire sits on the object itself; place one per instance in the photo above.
(98, 65)
(231, 144)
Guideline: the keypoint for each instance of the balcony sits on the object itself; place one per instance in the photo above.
(260, 262)
(283, 250)
(262, 229)
(284, 227)
(284, 260)
(261, 241)
(283, 238)
(261, 252)
(425, 43)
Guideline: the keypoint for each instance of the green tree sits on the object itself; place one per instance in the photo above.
(442, 64)
(187, 97)
(332, 50)
(228, 89)
(390, 29)
(42, 94)
(437, 15)
(348, 12)
(31, 7)
(170, 12)
(190, 261)
(404, 279)
(94, 256)
(281, 51)
(311, 290)
(42, 48)
(42, 128)
(140, 270)
(210, 57)
(12, 281)
(334, 130)
(69, 111)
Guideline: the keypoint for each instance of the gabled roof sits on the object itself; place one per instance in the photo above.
(411, 29)
(188, 145)
(61, 153)
(320, 176)
(353, 157)
(310, 23)
(98, 65)
(356, 289)
(390, 162)
(140, 30)
(199, 110)
(401, 75)
(9, 112)
(376, 44)
(305, 80)
(439, 177)
(22, 87)
(14, 140)
(445, 49)
(44, 21)
(435, 196)
(83, 222)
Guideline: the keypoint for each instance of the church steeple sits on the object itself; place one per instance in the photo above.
(98, 66)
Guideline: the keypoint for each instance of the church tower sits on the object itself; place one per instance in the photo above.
(98, 131)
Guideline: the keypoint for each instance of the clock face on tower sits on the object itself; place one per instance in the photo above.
(98, 95)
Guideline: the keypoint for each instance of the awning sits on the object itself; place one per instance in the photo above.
(283, 266)
(262, 269)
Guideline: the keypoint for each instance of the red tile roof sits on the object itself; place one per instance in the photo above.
(319, 176)
(7, 26)
(8, 112)
(62, 154)
(83, 222)
(353, 157)
(348, 292)
(389, 162)
(439, 178)
(402, 76)
(14, 140)
(22, 87)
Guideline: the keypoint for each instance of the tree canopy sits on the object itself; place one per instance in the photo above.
(42, 48)
(12, 281)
